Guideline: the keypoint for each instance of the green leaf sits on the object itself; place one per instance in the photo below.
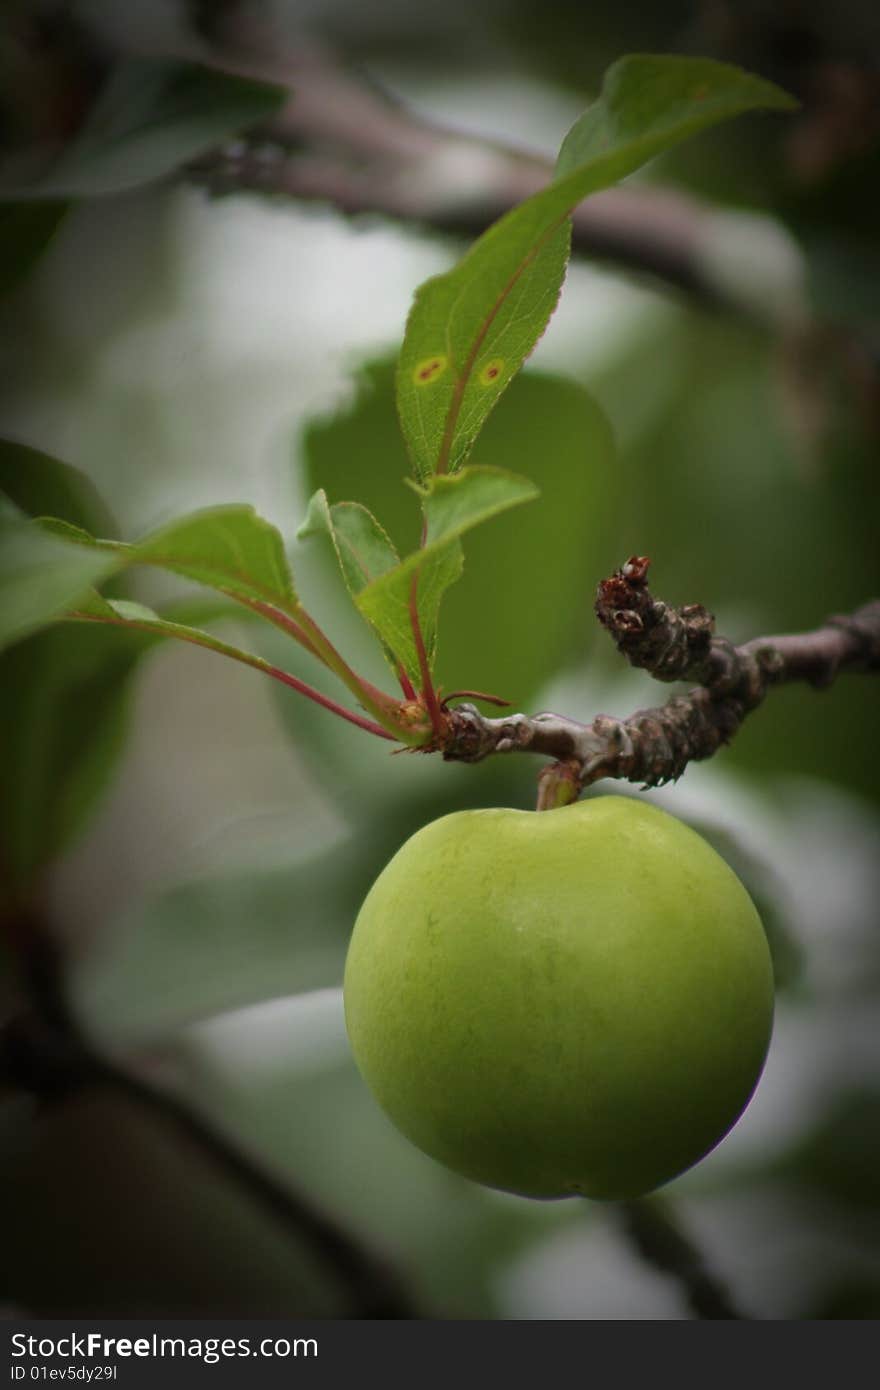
(42, 575)
(26, 230)
(451, 506)
(231, 549)
(64, 704)
(470, 330)
(650, 102)
(123, 613)
(150, 118)
(227, 548)
(386, 605)
(63, 694)
(44, 486)
(522, 608)
(363, 549)
(64, 700)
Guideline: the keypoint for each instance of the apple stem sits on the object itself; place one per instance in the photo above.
(654, 746)
(559, 784)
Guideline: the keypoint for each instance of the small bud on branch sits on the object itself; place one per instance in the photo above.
(654, 746)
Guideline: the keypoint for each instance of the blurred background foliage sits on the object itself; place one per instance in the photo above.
(199, 844)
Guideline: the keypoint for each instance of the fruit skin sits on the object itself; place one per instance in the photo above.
(570, 1002)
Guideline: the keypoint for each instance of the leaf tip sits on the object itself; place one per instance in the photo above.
(315, 520)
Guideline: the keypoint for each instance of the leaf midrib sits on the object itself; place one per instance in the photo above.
(464, 376)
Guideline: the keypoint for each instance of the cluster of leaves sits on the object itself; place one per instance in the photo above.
(64, 690)
(468, 334)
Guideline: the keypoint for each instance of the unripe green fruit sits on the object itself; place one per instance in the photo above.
(568, 1002)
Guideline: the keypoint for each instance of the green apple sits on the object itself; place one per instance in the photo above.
(570, 1002)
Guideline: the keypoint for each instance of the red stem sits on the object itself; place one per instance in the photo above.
(248, 660)
(406, 685)
(296, 684)
(280, 619)
(336, 663)
(316, 642)
(428, 693)
(475, 695)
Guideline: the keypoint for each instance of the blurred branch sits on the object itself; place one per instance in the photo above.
(342, 141)
(43, 1051)
(654, 746)
(650, 1227)
(372, 1289)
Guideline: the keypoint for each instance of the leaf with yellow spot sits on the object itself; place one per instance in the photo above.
(483, 318)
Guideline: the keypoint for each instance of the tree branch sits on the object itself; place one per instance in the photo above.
(43, 1051)
(660, 1241)
(654, 746)
(343, 141)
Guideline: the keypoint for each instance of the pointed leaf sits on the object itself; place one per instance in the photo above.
(151, 117)
(364, 550)
(63, 697)
(41, 575)
(509, 636)
(44, 486)
(386, 604)
(451, 506)
(123, 613)
(64, 701)
(227, 548)
(470, 330)
(454, 505)
(362, 547)
(231, 549)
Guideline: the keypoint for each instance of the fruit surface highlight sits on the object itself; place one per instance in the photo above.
(570, 1002)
